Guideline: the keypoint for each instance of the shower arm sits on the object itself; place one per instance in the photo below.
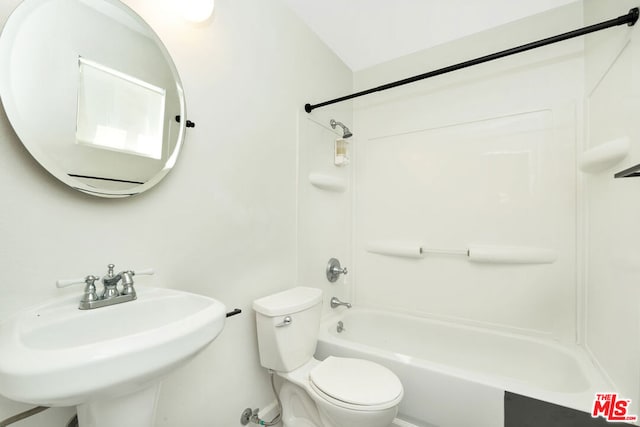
(629, 19)
(346, 133)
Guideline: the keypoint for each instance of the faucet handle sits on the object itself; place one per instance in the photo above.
(334, 270)
(127, 276)
(69, 282)
(90, 293)
(146, 271)
(127, 283)
(127, 280)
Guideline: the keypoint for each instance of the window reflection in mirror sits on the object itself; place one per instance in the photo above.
(119, 112)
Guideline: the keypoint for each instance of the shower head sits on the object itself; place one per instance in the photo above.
(346, 133)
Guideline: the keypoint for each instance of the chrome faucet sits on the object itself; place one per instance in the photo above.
(110, 283)
(110, 294)
(335, 302)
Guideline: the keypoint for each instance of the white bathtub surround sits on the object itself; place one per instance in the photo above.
(483, 156)
(612, 327)
(444, 366)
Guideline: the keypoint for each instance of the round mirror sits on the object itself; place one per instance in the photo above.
(92, 93)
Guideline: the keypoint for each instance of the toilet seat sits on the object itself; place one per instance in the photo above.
(356, 384)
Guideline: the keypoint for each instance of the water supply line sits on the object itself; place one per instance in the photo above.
(22, 415)
(256, 419)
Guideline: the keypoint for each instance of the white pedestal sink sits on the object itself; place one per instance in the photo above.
(110, 361)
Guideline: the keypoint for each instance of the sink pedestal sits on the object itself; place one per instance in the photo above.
(132, 410)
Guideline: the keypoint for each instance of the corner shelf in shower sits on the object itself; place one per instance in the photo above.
(328, 182)
(605, 155)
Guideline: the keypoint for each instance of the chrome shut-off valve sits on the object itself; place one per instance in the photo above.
(334, 270)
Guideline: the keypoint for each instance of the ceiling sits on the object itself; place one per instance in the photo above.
(364, 33)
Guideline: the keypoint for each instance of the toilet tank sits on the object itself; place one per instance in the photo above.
(287, 325)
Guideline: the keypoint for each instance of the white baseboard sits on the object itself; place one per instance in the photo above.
(401, 423)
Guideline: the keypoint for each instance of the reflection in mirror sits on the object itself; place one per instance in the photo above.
(104, 121)
(119, 112)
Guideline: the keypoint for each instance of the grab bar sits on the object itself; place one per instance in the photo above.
(474, 253)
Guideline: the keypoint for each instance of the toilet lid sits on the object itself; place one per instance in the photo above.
(356, 381)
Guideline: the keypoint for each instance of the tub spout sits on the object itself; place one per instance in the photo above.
(335, 302)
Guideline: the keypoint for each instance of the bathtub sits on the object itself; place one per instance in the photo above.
(456, 376)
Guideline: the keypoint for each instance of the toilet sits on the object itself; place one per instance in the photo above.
(335, 392)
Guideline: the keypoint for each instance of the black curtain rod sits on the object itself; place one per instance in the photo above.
(629, 19)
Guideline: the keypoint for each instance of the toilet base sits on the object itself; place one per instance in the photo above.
(300, 410)
(334, 416)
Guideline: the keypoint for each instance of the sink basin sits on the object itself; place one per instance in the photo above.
(56, 355)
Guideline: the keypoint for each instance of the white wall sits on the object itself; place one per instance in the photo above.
(366, 33)
(612, 88)
(221, 224)
(484, 155)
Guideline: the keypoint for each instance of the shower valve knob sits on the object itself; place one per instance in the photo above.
(334, 270)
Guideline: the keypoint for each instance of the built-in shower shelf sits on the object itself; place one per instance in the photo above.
(328, 182)
(605, 155)
(632, 172)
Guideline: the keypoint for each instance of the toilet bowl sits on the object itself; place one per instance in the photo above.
(346, 392)
(335, 392)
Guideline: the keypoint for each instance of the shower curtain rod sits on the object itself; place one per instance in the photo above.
(629, 19)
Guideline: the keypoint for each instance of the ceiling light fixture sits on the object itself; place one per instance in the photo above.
(197, 10)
